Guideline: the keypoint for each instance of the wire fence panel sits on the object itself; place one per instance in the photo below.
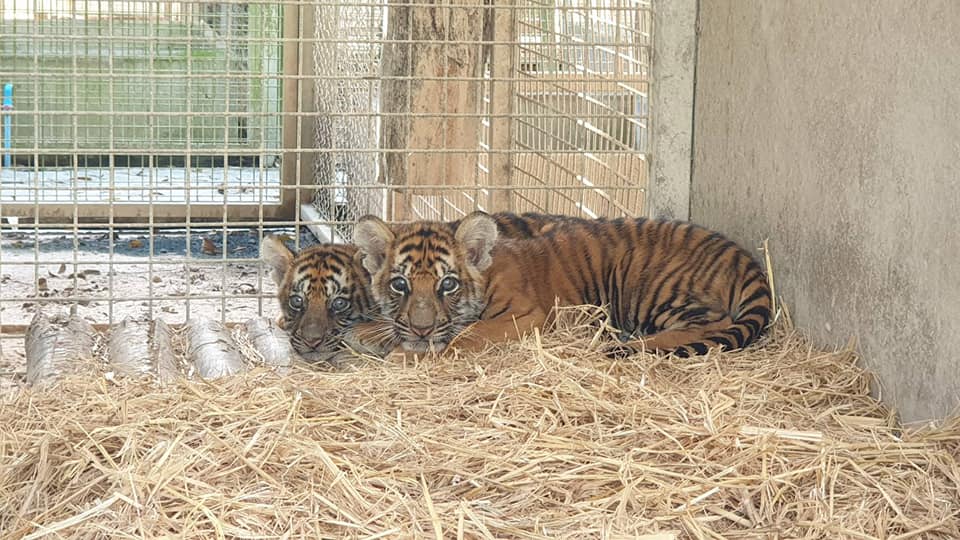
(148, 146)
(432, 111)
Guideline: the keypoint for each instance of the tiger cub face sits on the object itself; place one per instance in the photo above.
(427, 277)
(322, 292)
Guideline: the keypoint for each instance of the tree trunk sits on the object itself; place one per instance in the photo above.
(446, 49)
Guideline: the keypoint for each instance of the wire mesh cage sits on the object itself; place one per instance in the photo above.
(149, 145)
(528, 106)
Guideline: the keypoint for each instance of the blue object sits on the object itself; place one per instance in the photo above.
(7, 123)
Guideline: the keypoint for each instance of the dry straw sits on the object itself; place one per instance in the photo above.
(540, 439)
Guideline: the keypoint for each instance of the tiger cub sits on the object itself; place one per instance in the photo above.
(324, 290)
(669, 286)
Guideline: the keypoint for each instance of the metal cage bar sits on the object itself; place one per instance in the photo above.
(152, 144)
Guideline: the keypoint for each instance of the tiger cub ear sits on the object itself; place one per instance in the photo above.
(372, 237)
(478, 234)
(276, 256)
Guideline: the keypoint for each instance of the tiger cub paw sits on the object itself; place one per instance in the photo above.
(620, 350)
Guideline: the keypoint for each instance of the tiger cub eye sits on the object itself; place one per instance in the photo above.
(340, 304)
(449, 284)
(399, 285)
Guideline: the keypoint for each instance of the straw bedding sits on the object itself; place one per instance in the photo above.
(540, 439)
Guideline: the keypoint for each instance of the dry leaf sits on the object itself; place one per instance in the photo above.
(135, 243)
(244, 288)
(209, 247)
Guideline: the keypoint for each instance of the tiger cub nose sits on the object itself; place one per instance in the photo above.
(313, 343)
(421, 331)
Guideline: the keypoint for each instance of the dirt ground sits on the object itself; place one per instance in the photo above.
(106, 281)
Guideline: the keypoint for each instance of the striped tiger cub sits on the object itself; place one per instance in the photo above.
(324, 290)
(669, 286)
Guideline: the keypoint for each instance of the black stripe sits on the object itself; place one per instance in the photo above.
(522, 226)
(735, 333)
(749, 281)
(524, 314)
(656, 309)
(757, 295)
(705, 243)
(613, 297)
(687, 232)
(609, 238)
(754, 327)
(327, 256)
(718, 267)
(581, 284)
(734, 287)
(691, 313)
(699, 348)
(556, 255)
(484, 316)
(760, 311)
(409, 246)
(664, 309)
(594, 289)
(629, 288)
(723, 342)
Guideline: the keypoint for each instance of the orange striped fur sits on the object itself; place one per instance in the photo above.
(668, 286)
(324, 294)
(323, 291)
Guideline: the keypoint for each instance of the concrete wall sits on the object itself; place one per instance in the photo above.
(833, 128)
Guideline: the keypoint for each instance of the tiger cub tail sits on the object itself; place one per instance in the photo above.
(750, 315)
(699, 327)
